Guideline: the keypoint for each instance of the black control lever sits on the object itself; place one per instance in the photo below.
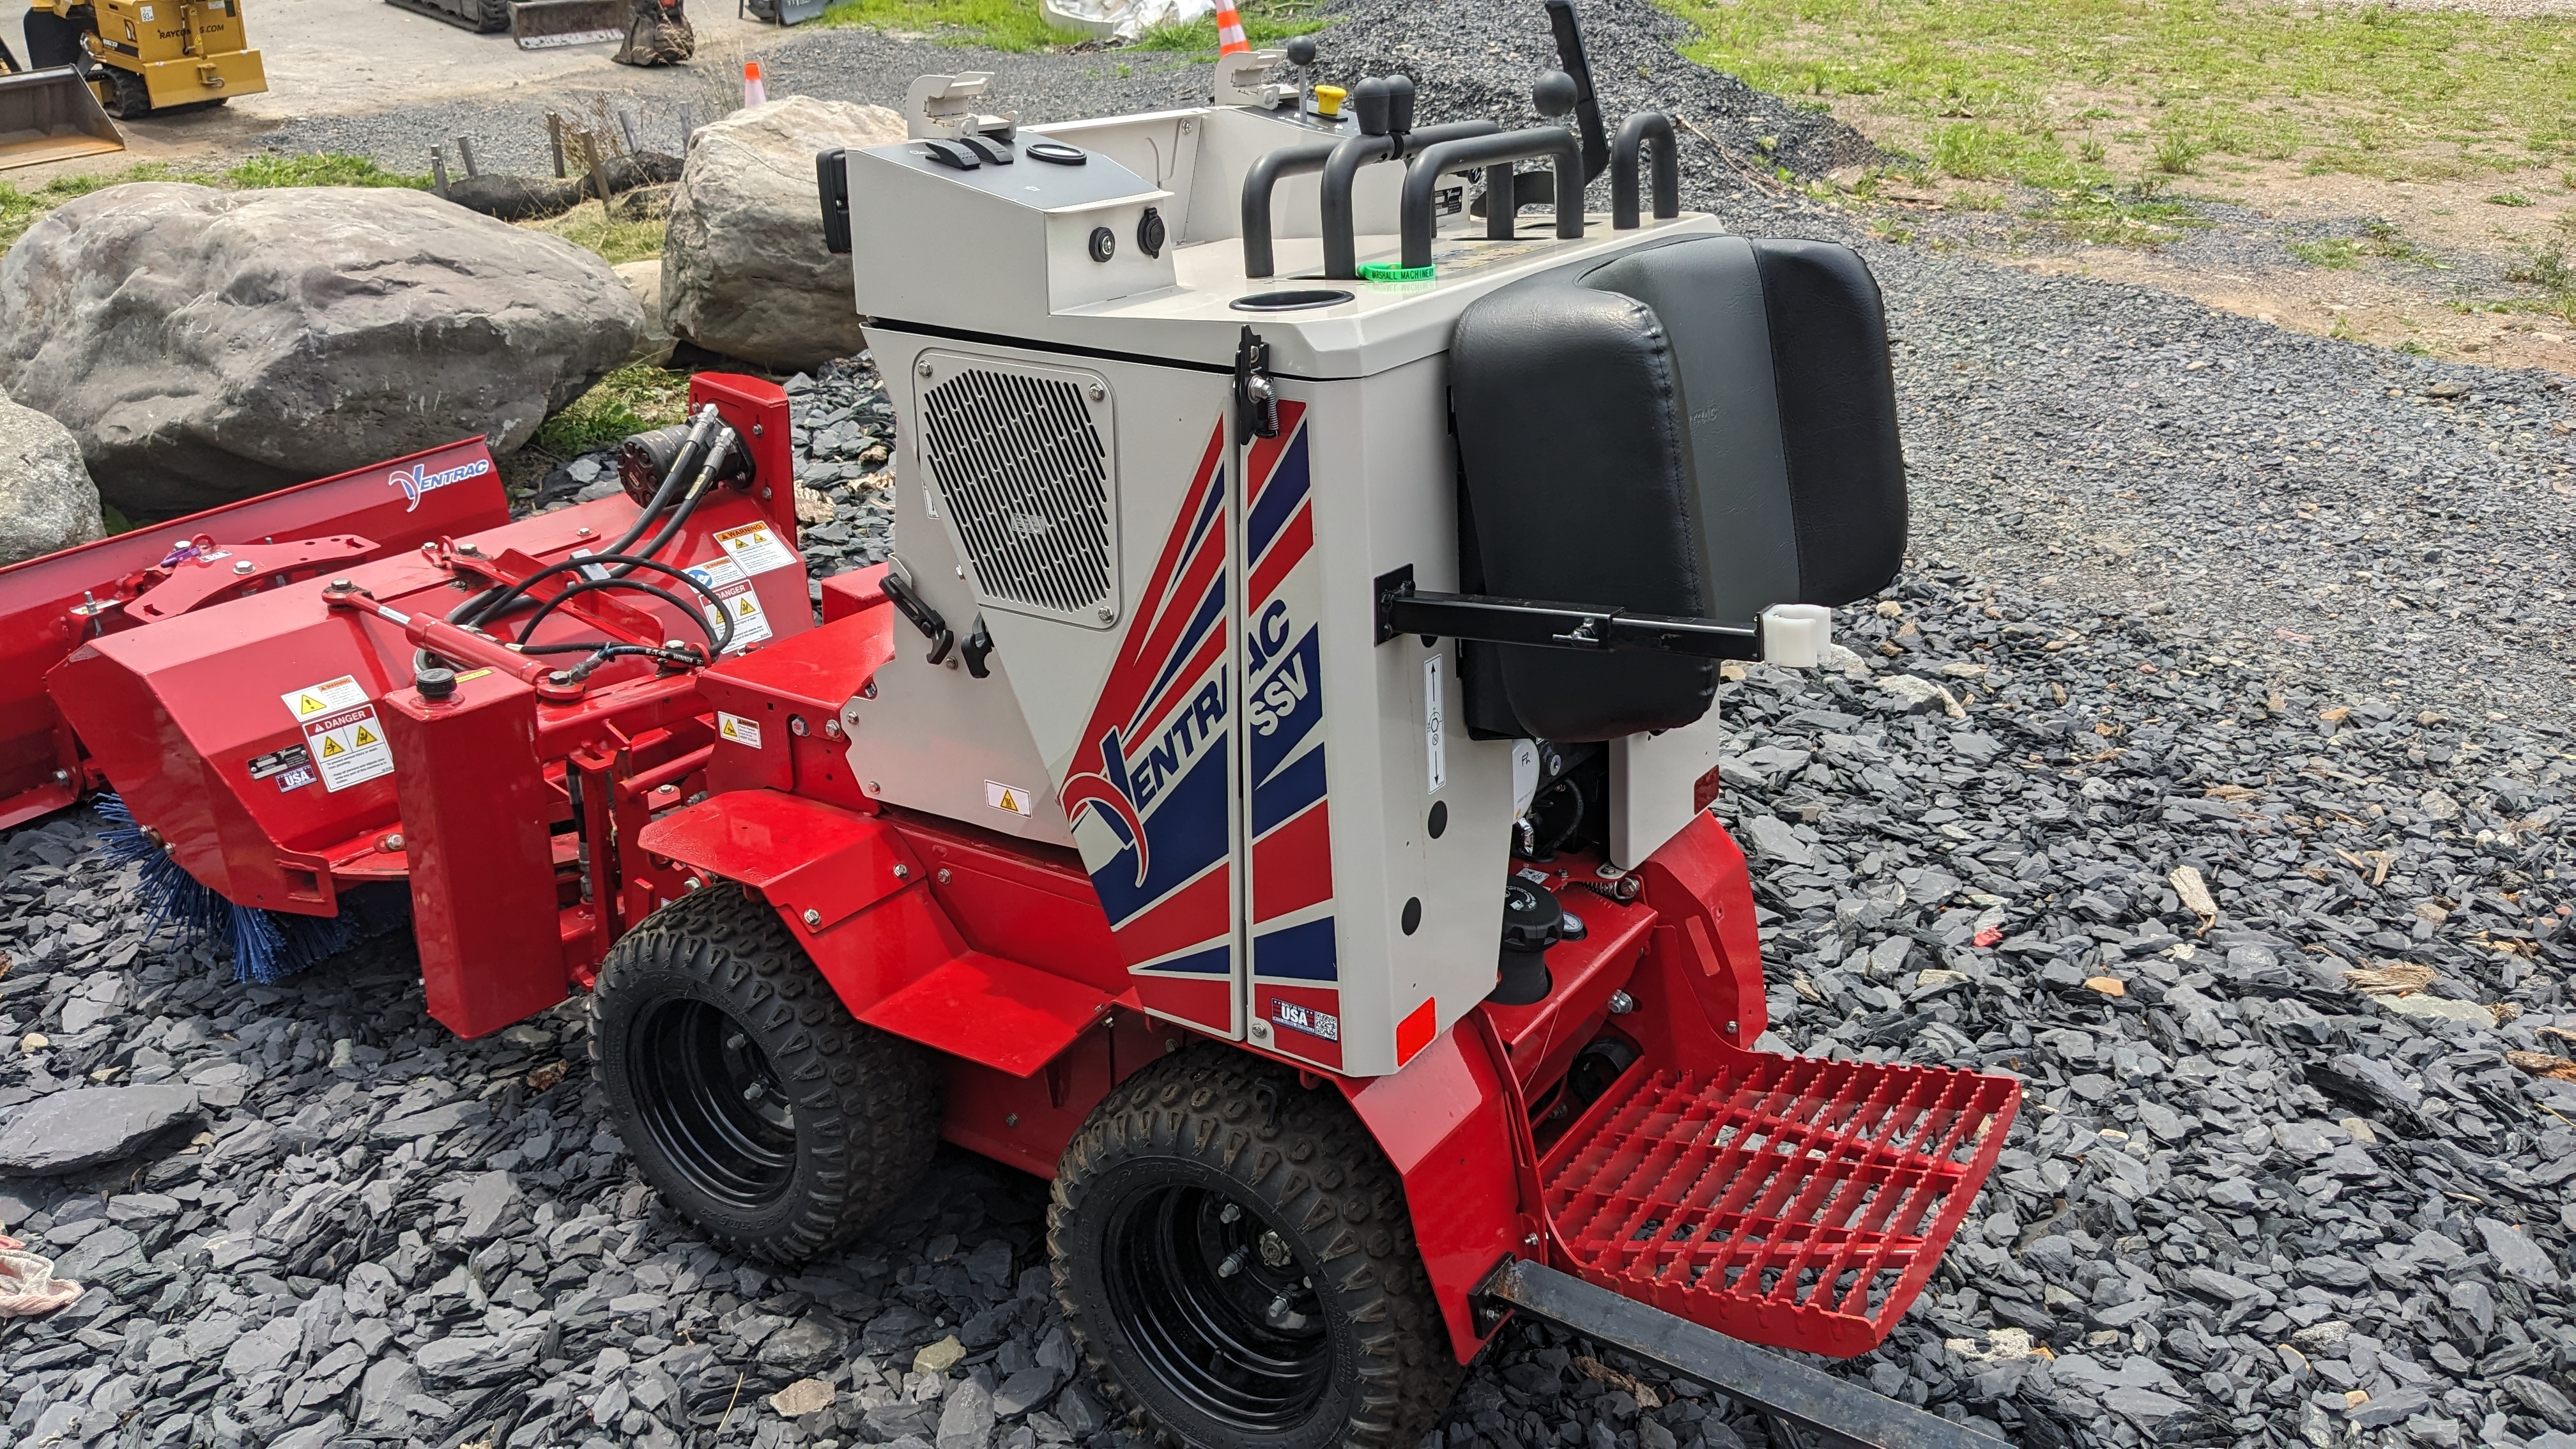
(923, 617)
(977, 648)
(1587, 107)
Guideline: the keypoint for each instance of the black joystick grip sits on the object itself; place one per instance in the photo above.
(1554, 94)
(1369, 101)
(1301, 50)
(1399, 104)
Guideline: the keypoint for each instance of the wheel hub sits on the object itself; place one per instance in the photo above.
(712, 1102)
(1217, 1304)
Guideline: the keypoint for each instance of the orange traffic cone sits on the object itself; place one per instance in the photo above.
(1229, 29)
(753, 91)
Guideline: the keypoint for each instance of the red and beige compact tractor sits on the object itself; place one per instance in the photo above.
(1265, 792)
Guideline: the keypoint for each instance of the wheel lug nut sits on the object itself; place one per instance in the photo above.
(751, 1093)
(733, 1043)
(1233, 1263)
(1229, 1213)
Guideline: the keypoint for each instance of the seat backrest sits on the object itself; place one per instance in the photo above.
(1706, 427)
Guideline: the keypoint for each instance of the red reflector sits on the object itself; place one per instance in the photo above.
(1416, 1031)
(1704, 790)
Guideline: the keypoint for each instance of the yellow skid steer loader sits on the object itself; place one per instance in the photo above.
(143, 56)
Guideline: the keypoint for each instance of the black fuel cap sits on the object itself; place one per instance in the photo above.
(1533, 920)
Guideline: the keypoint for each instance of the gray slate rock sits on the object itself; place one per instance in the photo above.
(92, 1126)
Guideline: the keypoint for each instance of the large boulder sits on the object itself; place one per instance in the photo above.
(209, 345)
(644, 279)
(46, 499)
(744, 271)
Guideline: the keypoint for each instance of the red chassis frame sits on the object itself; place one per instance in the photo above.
(1814, 1229)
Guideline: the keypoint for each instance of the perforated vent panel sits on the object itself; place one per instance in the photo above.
(1021, 459)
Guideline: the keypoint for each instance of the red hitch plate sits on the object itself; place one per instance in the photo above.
(1791, 1201)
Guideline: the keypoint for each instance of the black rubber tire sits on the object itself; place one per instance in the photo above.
(1217, 1124)
(495, 17)
(862, 1105)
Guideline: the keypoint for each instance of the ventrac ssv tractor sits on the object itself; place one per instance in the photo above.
(1265, 792)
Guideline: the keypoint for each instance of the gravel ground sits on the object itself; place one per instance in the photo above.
(2292, 1165)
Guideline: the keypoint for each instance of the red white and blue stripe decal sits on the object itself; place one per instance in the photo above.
(1155, 764)
(1295, 967)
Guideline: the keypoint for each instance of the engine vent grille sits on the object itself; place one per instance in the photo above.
(1022, 467)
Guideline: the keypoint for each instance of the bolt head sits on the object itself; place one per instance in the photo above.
(922, 367)
(813, 919)
(243, 566)
(1106, 614)
(1098, 392)
(690, 883)
(942, 877)
(903, 872)
(1010, 1119)
(342, 585)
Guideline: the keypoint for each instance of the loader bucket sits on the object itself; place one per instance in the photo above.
(544, 24)
(52, 115)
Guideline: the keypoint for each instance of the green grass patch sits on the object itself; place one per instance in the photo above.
(616, 239)
(2378, 240)
(629, 400)
(1017, 25)
(2508, 198)
(1263, 25)
(1013, 25)
(1986, 86)
(20, 207)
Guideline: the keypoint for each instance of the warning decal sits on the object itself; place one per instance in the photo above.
(755, 548)
(737, 729)
(349, 747)
(1009, 797)
(733, 588)
(329, 697)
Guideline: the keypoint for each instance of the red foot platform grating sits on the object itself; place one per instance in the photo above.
(1783, 1200)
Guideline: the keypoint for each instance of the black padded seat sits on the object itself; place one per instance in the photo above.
(1703, 428)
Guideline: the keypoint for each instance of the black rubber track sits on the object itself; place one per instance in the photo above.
(865, 1103)
(1223, 1120)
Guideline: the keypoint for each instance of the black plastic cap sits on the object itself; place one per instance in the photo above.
(1555, 93)
(1301, 50)
(435, 683)
(1399, 103)
(1369, 103)
(1533, 919)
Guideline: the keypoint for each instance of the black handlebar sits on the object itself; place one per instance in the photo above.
(1634, 133)
(1258, 183)
(1538, 143)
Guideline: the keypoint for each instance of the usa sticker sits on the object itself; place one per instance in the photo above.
(733, 593)
(349, 747)
(331, 696)
(737, 729)
(295, 779)
(1010, 798)
(1306, 1019)
(754, 547)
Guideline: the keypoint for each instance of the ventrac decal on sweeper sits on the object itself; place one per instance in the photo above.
(1295, 970)
(1150, 788)
(417, 479)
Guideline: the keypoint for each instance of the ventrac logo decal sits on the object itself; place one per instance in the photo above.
(417, 479)
(1153, 768)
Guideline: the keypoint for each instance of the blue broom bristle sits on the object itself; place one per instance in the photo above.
(267, 946)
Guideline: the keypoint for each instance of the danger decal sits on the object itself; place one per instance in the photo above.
(735, 597)
(343, 741)
(755, 548)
